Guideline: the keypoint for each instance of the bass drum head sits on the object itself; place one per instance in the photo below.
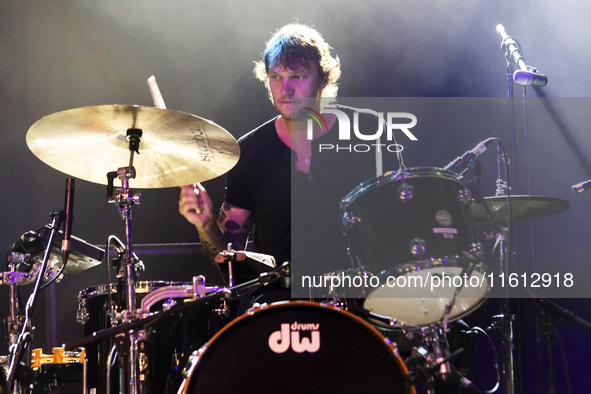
(297, 347)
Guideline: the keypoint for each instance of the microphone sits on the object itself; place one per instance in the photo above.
(530, 77)
(581, 187)
(525, 75)
(461, 163)
(69, 208)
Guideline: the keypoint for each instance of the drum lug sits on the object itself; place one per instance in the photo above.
(198, 286)
(418, 247)
(464, 196)
(476, 249)
(223, 310)
(405, 192)
(349, 221)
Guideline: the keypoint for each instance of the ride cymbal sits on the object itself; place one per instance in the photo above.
(523, 208)
(175, 149)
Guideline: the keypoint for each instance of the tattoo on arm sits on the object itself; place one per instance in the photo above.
(232, 226)
(229, 223)
(210, 250)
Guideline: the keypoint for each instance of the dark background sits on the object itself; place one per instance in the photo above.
(61, 55)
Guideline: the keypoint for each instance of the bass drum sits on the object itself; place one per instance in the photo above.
(297, 347)
(413, 230)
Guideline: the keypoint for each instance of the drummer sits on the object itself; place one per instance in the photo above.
(283, 184)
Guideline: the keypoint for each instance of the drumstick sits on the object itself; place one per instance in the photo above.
(156, 96)
(159, 103)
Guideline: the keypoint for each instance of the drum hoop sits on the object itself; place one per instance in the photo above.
(412, 266)
(391, 176)
(141, 287)
(197, 355)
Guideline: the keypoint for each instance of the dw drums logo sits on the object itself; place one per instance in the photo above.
(289, 336)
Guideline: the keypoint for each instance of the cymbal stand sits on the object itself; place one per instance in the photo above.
(124, 201)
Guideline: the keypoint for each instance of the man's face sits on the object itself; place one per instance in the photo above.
(289, 88)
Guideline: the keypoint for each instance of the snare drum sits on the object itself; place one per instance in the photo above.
(297, 347)
(410, 228)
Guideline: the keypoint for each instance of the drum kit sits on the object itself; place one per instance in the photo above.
(154, 337)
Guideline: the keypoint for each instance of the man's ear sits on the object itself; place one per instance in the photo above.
(324, 82)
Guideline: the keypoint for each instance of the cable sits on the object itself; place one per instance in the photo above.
(468, 383)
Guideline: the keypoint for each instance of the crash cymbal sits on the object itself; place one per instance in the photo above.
(522, 208)
(176, 148)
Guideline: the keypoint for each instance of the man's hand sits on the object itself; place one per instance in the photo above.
(233, 225)
(196, 206)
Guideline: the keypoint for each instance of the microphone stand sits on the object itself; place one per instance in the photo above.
(518, 71)
(17, 350)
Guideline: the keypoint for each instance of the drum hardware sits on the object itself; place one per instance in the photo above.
(462, 163)
(550, 312)
(196, 290)
(3, 386)
(60, 367)
(430, 361)
(251, 265)
(31, 246)
(228, 256)
(12, 278)
(581, 187)
(25, 265)
(18, 373)
(139, 266)
(425, 367)
(223, 310)
(124, 200)
(208, 301)
(436, 340)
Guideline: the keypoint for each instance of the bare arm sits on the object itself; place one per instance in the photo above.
(233, 225)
